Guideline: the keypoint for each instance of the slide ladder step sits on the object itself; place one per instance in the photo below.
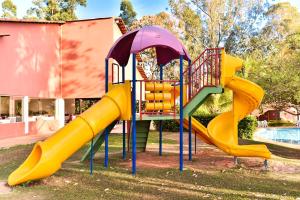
(142, 131)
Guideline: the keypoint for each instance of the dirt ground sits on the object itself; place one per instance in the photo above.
(207, 157)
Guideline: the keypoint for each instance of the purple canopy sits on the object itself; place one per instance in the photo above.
(167, 46)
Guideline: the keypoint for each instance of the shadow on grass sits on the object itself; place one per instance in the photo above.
(74, 182)
(115, 183)
(278, 150)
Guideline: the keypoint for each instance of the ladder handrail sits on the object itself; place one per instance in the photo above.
(213, 67)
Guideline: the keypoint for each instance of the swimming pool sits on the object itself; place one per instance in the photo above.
(286, 135)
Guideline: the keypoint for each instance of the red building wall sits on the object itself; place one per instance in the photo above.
(85, 45)
(30, 60)
(53, 60)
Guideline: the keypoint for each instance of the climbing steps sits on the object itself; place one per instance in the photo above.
(142, 131)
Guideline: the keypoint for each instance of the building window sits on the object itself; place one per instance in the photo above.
(10, 109)
(41, 108)
(82, 105)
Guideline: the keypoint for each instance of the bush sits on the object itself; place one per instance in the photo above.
(273, 123)
(246, 126)
(204, 119)
(167, 125)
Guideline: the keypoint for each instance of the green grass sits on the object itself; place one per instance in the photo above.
(116, 140)
(74, 182)
(153, 138)
(116, 183)
(285, 152)
(277, 123)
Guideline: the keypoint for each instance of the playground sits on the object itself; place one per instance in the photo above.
(197, 101)
(85, 156)
(211, 71)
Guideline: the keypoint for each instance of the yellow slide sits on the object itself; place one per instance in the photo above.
(46, 157)
(198, 129)
(223, 130)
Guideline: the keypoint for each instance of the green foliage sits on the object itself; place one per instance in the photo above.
(167, 125)
(82, 105)
(127, 12)
(191, 25)
(214, 23)
(204, 119)
(216, 103)
(54, 10)
(9, 9)
(247, 127)
(275, 123)
(274, 64)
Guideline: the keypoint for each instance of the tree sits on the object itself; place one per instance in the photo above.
(54, 10)
(150, 66)
(216, 103)
(227, 24)
(190, 25)
(279, 76)
(127, 12)
(276, 67)
(9, 9)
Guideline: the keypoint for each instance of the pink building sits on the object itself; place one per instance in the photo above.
(48, 67)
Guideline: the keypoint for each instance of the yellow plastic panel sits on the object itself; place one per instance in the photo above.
(158, 96)
(158, 106)
(175, 94)
(153, 86)
(229, 65)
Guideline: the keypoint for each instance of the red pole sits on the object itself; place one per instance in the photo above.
(207, 71)
(216, 60)
(141, 100)
(211, 70)
(189, 76)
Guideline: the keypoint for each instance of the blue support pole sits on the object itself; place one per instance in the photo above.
(124, 127)
(160, 122)
(181, 116)
(190, 118)
(124, 140)
(106, 131)
(91, 157)
(160, 138)
(133, 132)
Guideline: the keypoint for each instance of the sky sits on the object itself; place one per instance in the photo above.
(103, 8)
(108, 8)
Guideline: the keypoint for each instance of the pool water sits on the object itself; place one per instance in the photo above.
(286, 135)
